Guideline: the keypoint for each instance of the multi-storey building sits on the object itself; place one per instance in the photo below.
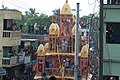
(111, 40)
(10, 40)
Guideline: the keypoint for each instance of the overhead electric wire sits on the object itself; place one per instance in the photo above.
(15, 5)
(91, 21)
(94, 6)
(94, 3)
(23, 3)
(20, 4)
(30, 6)
(91, 3)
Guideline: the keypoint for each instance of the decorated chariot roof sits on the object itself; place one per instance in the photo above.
(66, 9)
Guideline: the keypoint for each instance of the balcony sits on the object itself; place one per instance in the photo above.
(11, 38)
(27, 59)
(14, 61)
(10, 62)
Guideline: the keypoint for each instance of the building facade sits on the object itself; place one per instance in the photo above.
(10, 38)
(111, 40)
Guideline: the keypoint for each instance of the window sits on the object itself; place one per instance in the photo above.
(112, 2)
(113, 33)
(6, 34)
(7, 24)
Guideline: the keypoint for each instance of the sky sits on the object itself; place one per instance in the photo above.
(46, 6)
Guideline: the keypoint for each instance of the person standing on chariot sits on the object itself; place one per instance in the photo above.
(64, 46)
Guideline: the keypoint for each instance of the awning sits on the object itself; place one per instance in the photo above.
(28, 40)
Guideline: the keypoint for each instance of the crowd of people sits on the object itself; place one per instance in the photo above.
(25, 73)
(66, 62)
(21, 53)
(13, 27)
(63, 45)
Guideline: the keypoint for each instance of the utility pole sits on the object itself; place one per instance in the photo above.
(76, 45)
(101, 42)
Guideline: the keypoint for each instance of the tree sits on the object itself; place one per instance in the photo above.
(44, 22)
(84, 19)
(31, 13)
(56, 14)
(31, 17)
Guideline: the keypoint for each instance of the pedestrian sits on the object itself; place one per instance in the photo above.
(64, 46)
(9, 54)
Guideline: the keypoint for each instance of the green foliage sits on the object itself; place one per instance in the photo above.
(56, 12)
(84, 19)
(31, 13)
(31, 17)
(25, 29)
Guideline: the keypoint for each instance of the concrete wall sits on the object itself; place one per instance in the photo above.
(1, 33)
(111, 13)
(10, 14)
(0, 56)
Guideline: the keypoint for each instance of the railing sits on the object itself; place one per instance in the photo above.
(13, 61)
(27, 59)
(67, 49)
(112, 2)
(6, 34)
(58, 72)
(20, 59)
(52, 71)
(11, 34)
(69, 72)
(10, 61)
(11, 38)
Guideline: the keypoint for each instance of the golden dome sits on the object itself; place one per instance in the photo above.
(46, 47)
(40, 50)
(52, 29)
(79, 30)
(66, 8)
(85, 51)
(57, 29)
